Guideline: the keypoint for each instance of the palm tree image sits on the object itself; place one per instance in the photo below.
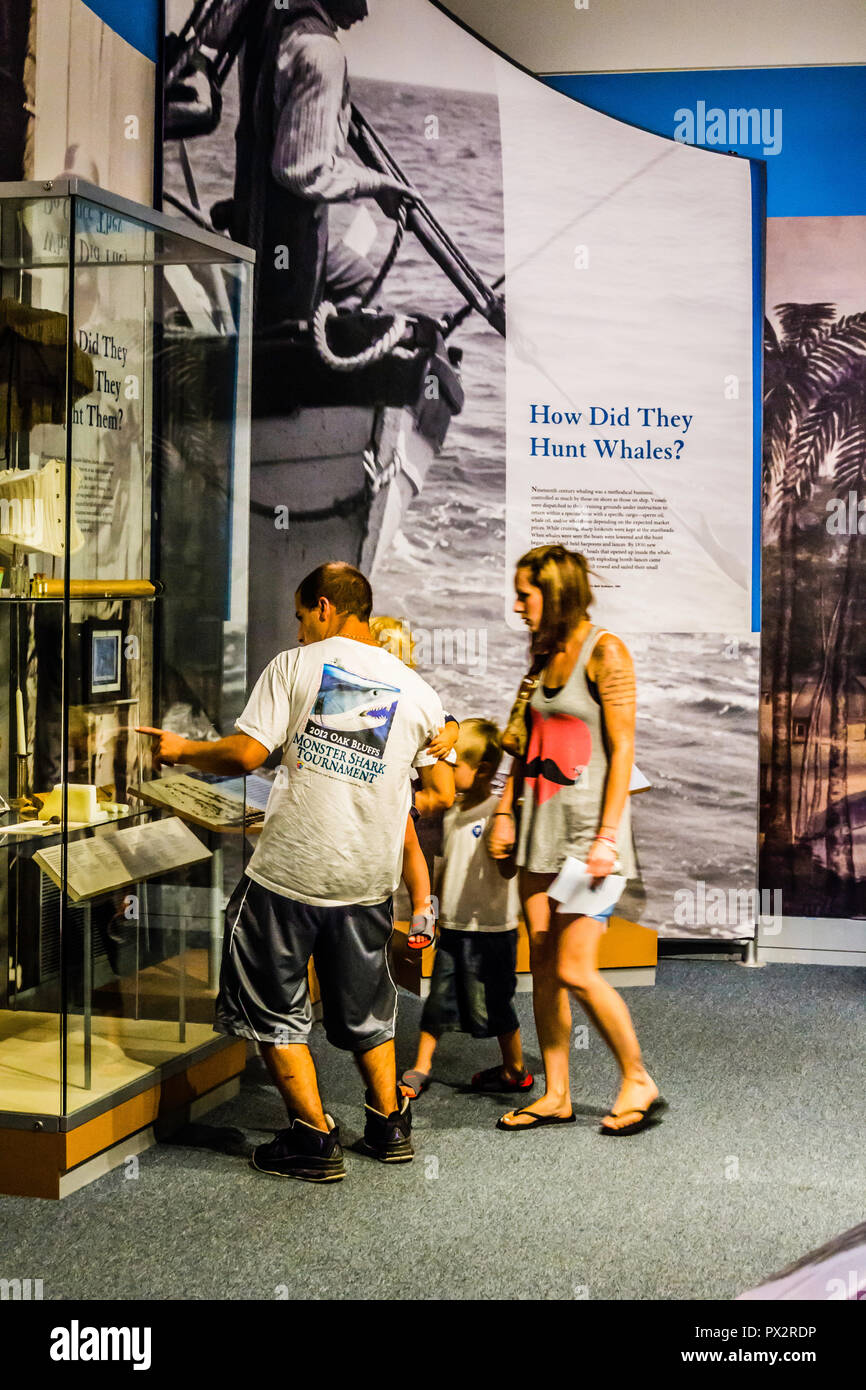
(814, 702)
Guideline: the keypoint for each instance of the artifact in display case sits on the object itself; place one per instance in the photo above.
(124, 514)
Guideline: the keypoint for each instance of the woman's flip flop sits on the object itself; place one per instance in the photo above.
(537, 1121)
(657, 1107)
(416, 1082)
(493, 1082)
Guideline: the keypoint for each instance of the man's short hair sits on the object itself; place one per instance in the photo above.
(342, 585)
(480, 742)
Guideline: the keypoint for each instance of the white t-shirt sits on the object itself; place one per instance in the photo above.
(352, 721)
(473, 895)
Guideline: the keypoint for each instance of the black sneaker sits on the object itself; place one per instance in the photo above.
(386, 1137)
(302, 1152)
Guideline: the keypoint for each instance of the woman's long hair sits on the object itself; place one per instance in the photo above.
(563, 578)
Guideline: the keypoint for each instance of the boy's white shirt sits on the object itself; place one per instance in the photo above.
(352, 721)
(473, 895)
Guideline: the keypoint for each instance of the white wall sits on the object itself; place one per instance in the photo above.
(646, 35)
(89, 83)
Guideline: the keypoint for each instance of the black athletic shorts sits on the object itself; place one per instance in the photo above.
(264, 994)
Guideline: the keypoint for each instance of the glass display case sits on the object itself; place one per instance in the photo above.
(124, 522)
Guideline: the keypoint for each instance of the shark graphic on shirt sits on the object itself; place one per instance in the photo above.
(353, 710)
(361, 716)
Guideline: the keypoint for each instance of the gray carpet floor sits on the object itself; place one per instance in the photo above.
(759, 1160)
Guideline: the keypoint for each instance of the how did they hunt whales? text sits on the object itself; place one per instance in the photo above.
(626, 417)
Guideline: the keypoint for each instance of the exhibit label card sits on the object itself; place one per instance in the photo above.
(629, 360)
(215, 807)
(105, 863)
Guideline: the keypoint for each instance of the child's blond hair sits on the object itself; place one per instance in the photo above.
(480, 742)
(395, 636)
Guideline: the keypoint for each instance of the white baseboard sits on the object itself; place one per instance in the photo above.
(799, 955)
(815, 941)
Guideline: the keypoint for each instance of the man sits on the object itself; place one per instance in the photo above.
(352, 721)
(291, 160)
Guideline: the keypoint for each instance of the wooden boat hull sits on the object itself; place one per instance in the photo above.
(313, 481)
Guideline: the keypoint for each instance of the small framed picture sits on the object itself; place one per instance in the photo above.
(105, 656)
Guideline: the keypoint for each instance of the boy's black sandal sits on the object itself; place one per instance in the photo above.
(492, 1081)
(422, 924)
(415, 1081)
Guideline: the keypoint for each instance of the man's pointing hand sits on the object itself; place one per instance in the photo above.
(167, 747)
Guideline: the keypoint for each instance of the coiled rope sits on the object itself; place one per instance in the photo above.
(389, 340)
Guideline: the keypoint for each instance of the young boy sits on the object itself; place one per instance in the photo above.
(473, 984)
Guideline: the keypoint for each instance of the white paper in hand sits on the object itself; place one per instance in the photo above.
(572, 889)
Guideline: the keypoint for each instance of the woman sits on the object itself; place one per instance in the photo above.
(575, 776)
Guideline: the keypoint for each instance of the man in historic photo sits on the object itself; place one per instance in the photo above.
(291, 159)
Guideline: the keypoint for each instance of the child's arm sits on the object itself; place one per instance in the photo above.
(505, 863)
(442, 743)
(417, 880)
(437, 789)
(507, 867)
(503, 831)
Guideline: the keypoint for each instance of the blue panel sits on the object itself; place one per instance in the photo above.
(137, 21)
(817, 116)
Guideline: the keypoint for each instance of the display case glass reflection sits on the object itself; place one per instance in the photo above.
(123, 521)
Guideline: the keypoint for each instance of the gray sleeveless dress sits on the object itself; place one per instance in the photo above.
(565, 774)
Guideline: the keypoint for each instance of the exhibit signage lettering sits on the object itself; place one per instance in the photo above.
(629, 359)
